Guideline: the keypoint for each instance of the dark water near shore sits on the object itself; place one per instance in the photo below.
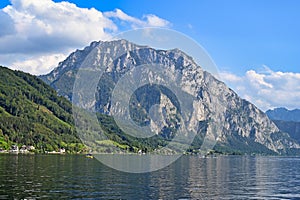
(190, 177)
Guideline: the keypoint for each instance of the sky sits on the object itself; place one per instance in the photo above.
(255, 44)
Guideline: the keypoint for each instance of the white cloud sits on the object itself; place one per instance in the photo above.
(7, 26)
(47, 26)
(257, 80)
(190, 26)
(267, 89)
(119, 14)
(149, 20)
(45, 29)
(153, 20)
(229, 77)
(39, 64)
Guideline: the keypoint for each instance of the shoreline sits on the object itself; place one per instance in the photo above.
(146, 154)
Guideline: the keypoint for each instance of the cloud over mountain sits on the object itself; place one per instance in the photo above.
(39, 29)
(267, 89)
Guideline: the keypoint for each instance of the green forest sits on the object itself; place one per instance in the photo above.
(31, 113)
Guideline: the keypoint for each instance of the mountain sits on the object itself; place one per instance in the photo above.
(62, 77)
(31, 113)
(287, 121)
(284, 114)
(290, 127)
(242, 127)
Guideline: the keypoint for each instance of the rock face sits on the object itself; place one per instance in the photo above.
(243, 126)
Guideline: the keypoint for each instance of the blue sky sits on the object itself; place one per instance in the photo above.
(237, 34)
(254, 43)
(240, 34)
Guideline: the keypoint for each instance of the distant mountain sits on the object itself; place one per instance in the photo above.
(245, 128)
(290, 127)
(287, 121)
(31, 113)
(284, 114)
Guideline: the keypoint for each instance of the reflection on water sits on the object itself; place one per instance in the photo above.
(190, 177)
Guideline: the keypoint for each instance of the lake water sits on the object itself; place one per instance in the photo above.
(190, 177)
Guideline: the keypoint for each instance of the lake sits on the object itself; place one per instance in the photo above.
(190, 177)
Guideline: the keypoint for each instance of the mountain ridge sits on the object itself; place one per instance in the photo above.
(243, 123)
(287, 121)
(284, 114)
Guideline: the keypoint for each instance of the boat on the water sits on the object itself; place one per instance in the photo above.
(89, 155)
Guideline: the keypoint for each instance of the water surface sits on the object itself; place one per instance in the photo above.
(190, 177)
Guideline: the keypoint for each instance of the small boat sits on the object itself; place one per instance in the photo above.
(89, 155)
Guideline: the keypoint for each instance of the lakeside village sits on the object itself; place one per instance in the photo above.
(32, 150)
(28, 150)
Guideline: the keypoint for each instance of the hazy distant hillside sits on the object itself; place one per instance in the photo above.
(290, 127)
(287, 121)
(284, 114)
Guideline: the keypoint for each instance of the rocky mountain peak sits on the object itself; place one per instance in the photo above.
(243, 126)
